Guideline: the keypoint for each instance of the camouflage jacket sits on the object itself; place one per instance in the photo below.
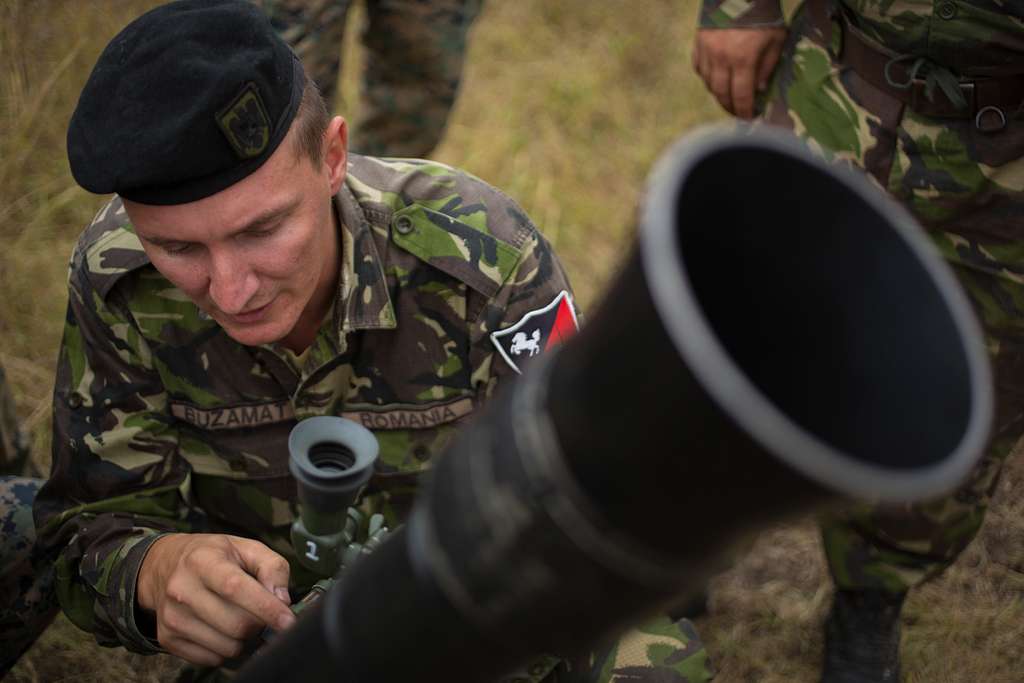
(162, 422)
(963, 35)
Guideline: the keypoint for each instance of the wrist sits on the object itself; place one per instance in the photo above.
(146, 585)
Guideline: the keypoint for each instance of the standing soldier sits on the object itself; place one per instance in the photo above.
(928, 99)
(412, 66)
(28, 602)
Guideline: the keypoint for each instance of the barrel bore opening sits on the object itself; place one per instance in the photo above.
(827, 309)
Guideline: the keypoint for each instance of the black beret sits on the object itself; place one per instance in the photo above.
(187, 100)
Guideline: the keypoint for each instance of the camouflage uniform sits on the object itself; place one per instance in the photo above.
(965, 186)
(28, 601)
(413, 64)
(164, 423)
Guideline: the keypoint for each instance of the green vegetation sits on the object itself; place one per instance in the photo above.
(566, 105)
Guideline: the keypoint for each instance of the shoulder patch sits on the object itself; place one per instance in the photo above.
(537, 331)
(467, 253)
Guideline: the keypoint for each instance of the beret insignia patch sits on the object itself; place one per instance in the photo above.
(245, 123)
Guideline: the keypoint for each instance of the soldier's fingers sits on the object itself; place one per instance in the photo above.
(192, 652)
(242, 590)
(721, 87)
(230, 622)
(216, 628)
(769, 60)
(743, 92)
(269, 568)
(701, 65)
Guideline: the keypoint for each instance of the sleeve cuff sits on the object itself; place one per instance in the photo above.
(741, 14)
(123, 608)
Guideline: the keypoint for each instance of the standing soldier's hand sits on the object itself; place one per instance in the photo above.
(736, 62)
(211, 593)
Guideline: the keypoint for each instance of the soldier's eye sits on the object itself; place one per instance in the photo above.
(178, 249)
(260, 234)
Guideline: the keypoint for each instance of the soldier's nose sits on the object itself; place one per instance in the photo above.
(232, 285)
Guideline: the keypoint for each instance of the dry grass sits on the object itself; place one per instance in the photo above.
(966, 627)
(565, 106)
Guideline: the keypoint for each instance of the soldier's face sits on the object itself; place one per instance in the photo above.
(260, 257)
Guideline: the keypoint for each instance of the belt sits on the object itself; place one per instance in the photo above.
(990, 101)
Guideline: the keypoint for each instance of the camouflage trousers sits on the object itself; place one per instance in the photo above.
(662, 650)
(28, 598)
(966, 188)
(13, 443)
(412, 64)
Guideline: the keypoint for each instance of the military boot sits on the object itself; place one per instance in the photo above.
(862, 637)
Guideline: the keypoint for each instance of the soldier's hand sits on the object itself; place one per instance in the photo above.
(211, 593)
(735, 63)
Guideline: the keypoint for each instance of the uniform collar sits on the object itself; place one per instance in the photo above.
(363, 301)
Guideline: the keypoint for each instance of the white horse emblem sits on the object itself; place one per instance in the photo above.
(535, 332)
(520, 343)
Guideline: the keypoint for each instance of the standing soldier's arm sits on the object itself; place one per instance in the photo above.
(117, 482)
(737, 47)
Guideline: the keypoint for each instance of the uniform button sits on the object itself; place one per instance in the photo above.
(75, 400)
(947, 10)
(403, 225)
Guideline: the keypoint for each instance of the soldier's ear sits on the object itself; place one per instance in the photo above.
(336, 152)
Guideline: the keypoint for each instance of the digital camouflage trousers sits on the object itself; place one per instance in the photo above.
(28, 598)
(966, 187)
(414, 52)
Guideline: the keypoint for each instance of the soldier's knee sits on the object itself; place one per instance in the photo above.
(17, 529)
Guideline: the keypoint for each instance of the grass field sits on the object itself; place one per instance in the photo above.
(566, 104)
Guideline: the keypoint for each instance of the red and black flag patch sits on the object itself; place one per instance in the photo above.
(537, 331)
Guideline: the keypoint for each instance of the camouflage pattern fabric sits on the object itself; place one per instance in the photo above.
(28, 601)
(164, 423)
(413, 64)
(970, 37)
(661, 651)
(13, 442)
(967, 189)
